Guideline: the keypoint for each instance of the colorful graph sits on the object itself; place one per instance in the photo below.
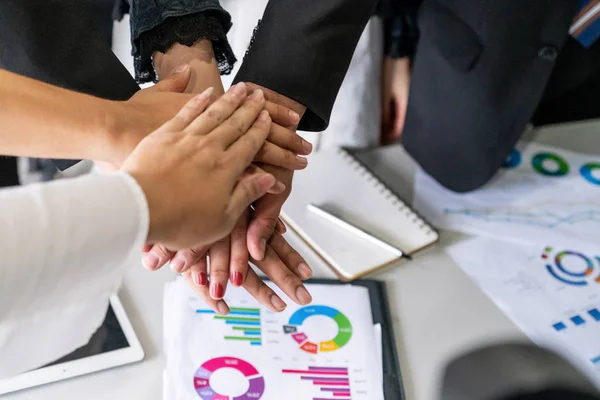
(513, 160)
(333, 383)
(297, 319)
(244, 322)
(587, 171)
(256, 383)
(537, 162)
(593, 315)
(565, 274)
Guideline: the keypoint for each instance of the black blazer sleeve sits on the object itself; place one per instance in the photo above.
(303, 51)
(58, 42)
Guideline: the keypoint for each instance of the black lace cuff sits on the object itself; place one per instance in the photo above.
(185, 30)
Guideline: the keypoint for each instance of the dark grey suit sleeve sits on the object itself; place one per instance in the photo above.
(57, 42)
(303, 51)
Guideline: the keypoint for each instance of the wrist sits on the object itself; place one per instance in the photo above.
(117, 133)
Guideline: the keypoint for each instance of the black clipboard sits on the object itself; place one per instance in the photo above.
(393, 388)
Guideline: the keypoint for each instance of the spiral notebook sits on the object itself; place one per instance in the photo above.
(337, 183)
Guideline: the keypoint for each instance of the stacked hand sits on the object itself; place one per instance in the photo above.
(257, 236)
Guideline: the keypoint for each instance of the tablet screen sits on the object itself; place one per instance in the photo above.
(108, 337)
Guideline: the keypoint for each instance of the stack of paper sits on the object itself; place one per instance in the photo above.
(538, 256)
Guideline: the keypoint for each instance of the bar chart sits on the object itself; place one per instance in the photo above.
(591, 316)
(328, 382)
(243, 324)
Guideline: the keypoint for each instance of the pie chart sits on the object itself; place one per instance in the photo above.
(256, 383)
(294, 329)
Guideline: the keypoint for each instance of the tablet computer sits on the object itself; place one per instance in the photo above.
(113, 344)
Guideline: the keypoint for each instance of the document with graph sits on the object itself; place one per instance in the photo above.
(551, 292)
(326, 350)
(542, 195)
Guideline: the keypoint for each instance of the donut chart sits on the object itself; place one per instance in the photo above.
(202, 376)
(513, 160)
(294, 325)
(537, 162)
(587, 170)
(564, 274)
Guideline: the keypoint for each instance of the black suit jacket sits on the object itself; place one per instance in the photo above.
(480, 71)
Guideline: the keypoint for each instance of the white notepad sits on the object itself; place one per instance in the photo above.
(335, 182)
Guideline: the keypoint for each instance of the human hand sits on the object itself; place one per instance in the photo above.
(395, 90)
(144, 112)
(197, 150)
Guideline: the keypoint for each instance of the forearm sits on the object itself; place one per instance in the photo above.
(40, 120)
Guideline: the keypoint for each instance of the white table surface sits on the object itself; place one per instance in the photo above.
(438, 312)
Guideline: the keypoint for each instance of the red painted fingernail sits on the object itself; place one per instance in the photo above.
(237, 278)
(203, 279)
(217, 291)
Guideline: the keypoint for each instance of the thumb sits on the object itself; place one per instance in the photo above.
(176, 82)
(249, 189)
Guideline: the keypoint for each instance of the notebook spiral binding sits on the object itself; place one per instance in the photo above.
(387, 192)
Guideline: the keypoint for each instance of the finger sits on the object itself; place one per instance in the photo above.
(281, 228)
(400, 114)
(252, 169)
(219, 306)
(218, 111)
(184, 259)
(238, 263)
(262, 292)
(156, 257)
(283, 277)
(290, 257)
(282, 115)
(199, 272)
(219, 268)
(241, 153)
(176, 82)
(240, 122)
(275, 155)
(188, 113)
(263, 224)
(288, 139)
(247, 191)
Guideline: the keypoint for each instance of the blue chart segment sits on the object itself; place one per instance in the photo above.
(593, 316)
(587, 274)
(587, 171)
(513, 160)
(244, 323)
(596, 360)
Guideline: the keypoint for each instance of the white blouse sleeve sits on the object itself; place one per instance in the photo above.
(63, 252)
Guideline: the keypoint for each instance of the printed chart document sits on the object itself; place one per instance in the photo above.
(326, 350)
(542, 195)
(551, 293)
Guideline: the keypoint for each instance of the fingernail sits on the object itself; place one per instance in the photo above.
(303, 295)
(206, 94)
(150, 261)
(258, 95)
(237, 278)
(263, 247)
(304, 270)
(302, 161)
(277, 303)
(307, 146)
(180, 69)
(239, 89)
(203, 279)
(294, 116)
(283, 228)
(222, 308)
(177, 264)
(217, 291)
(279, 186)
(264, 115)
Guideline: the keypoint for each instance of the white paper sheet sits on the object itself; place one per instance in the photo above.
(552, 294)
(274, 357)
(521, 203)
